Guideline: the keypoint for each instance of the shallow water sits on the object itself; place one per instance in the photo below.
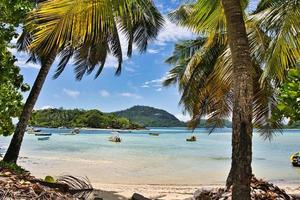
(144, 159)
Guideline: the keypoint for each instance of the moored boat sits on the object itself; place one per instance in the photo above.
(75, 131)
(43, 134)
(192, 139)
(32, 130)
(154, 134)
(295, 159)
(116, 139)
(43, 138)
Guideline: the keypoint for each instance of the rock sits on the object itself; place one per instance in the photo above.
(137, 196)
(202, 194)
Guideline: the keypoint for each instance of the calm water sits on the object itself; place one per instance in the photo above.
(167, 159)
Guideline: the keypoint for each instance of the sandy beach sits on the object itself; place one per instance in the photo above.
(163, 192)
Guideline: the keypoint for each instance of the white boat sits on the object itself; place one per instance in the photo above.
(115, 137)
(32, 130)
(75, 131)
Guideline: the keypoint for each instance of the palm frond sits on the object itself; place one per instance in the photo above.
(83, 25)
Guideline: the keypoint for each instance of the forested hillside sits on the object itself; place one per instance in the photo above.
(80, 118)
(150, 117)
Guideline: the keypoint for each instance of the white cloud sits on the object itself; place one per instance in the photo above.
(183, 117)
(129, 69)
(172, 33)
(71, 93)
(46, 107)
(104, 93)
(156, 83)
(159, 89)
(153, 51)
(131, 95)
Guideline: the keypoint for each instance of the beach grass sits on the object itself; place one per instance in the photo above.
(11, 167)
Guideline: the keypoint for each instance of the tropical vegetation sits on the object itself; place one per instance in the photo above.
(54, 118)
(289, 98)
(150, 117)
(11, 81)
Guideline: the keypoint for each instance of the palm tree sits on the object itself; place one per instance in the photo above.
(242, 127)
(197, 84)
(87, 31)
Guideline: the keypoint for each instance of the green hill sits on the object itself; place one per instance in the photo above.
(150, 117)
(80, 118)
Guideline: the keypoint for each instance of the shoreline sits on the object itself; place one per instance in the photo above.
(163, 191)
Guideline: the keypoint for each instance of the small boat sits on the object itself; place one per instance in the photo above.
(115, 132)
(295, 159)
(114, 139)
(124, 131)
(31, 130)
(154, 134)
(191, 139)
(43, 138)
(75, 131)
(43, 134)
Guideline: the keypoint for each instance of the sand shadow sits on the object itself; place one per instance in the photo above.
(107, 195)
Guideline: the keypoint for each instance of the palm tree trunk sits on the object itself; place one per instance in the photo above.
(16, 141)
(241, 171)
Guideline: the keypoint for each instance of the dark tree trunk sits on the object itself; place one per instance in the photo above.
(16, 141)
(241, 171)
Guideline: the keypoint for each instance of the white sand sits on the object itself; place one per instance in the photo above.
(163, 192)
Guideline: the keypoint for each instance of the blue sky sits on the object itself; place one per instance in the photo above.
(139, 83)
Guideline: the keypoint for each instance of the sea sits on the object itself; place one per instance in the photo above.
(145, 159)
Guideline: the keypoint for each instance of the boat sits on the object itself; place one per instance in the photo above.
(116, 139)
(295, 159)
(43, 138)
(75, 131)
(154, 134)
(31, 130)
(192, 139)
(43, 134)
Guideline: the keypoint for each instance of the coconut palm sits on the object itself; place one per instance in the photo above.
(88, 32)
(200, 96)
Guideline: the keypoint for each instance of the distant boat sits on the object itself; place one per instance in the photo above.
(31, 130)
(114, 139)
(295, 159)
(75, 131)
(43, 134)
(124, 131)
(43, 138)
(191, 139)
(154, 134)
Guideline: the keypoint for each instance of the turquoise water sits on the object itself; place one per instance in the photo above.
(167, 159)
